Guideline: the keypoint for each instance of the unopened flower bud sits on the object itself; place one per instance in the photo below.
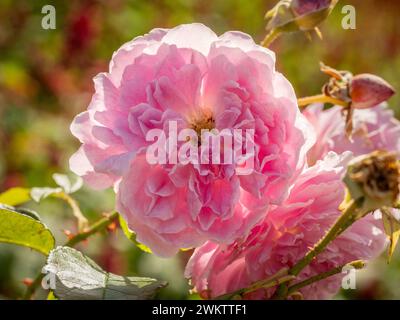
(368, 90)
(355, 92)
(303, 15)
(302, 7)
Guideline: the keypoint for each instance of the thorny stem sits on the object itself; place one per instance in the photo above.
(83, 223)
(30, 290)
(279, 278)
(343, 222)
(98, 226)
(346, 219)
(320, 98)
(355, 264)
(268, 284)
(283, 277)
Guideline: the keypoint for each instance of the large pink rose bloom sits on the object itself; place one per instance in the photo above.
(190, 75)
(374, 129)
(286, 235)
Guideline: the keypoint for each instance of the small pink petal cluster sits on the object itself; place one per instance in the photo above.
(286, 235)
(374, 129)
(193, 77)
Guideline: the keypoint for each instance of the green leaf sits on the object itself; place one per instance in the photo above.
(392, 230)
(15, 196)
(77, 277)
(27, 212)
(132, 236)
(23, 230)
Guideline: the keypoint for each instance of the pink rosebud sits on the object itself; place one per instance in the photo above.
(368, 90)
(302, 7)
(295, 15)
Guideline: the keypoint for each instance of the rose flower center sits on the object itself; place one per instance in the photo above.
(203, 121)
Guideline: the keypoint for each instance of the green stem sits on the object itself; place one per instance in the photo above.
(356, 264)
(30, 290)
(345, 220)
(283, 277)
(320, 98)
(270, 282)
(98, 226)
(83, 223)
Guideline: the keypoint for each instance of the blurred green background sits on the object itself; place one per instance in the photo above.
(46, 78)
